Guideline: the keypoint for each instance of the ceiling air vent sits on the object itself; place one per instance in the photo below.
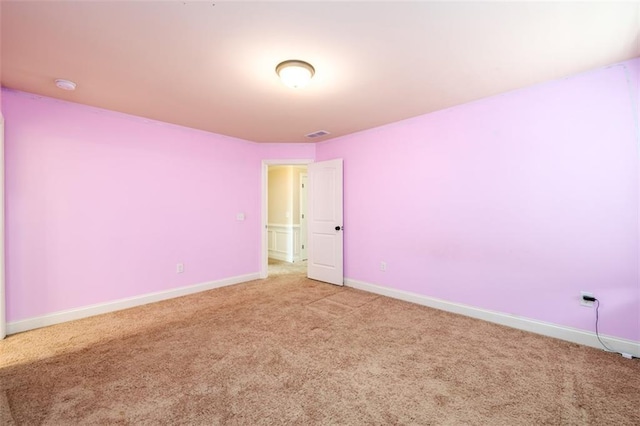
(317, 134)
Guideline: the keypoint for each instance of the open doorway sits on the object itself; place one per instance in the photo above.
(286, 215)
(284, 204)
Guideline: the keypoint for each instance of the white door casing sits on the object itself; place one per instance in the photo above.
(303, 216)
(325, 220)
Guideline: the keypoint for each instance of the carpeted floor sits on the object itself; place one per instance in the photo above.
(288, 350)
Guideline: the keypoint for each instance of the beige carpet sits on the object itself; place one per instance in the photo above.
(289, 350)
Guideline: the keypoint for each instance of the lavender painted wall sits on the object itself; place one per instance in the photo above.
(534, 191)
(514, 203)
(102, 206)
(0, 60)
(287, 151)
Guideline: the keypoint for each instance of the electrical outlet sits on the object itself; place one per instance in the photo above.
(180, 268)
(383, 266)
(586, 303)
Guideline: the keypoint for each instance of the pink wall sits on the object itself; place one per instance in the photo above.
(101, 206)
(287, 151)
(514, 203)
(0, 60)
(531, 192)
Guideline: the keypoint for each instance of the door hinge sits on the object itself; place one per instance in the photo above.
(303, 185)
(303, 246)
(303, 215)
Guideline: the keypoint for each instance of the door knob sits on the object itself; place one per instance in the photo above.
(338, 228)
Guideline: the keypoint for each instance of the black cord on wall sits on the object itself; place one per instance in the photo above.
(607, 348)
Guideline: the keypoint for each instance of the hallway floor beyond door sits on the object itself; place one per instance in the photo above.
(280, 267)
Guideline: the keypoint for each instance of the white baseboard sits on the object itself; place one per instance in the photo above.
(539, 327)
(116, 305)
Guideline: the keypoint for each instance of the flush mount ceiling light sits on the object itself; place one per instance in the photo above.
(295, 73)
(65, 84)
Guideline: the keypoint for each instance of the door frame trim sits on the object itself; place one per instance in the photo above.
(264, 252)
(3, 301)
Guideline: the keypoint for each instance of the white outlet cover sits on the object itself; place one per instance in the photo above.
(583, 302)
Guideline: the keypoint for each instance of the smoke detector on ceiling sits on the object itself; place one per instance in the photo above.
(65, 84)
(317, 134)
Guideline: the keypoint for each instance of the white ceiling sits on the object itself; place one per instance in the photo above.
(212, 66)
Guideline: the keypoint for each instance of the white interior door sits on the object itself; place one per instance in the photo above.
(324, 212)
(3, 319)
